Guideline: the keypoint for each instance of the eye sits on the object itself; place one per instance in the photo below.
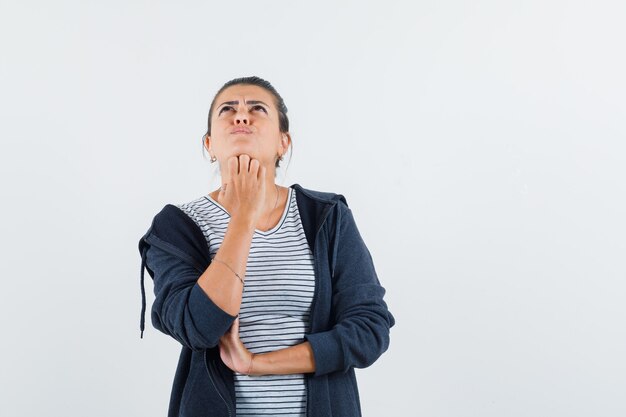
(222, 109)
(260, 107)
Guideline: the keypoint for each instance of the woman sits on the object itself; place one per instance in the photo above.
(270, 290)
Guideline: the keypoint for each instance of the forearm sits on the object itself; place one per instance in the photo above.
(220, 283)
(292, 360)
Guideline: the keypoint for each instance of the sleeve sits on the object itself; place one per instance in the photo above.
(362, 320)
(181, 308)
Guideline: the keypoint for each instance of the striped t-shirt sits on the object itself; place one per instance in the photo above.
(276, 303)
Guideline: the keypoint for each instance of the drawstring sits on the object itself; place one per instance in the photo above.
(143, 294)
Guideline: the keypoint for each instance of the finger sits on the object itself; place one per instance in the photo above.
(254, 166)
(244, 162)
(233, 164)
(261, 174)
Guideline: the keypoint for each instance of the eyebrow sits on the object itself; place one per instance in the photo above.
(237, 102)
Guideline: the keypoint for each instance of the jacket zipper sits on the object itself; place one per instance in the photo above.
(313, 303)
(215, 385)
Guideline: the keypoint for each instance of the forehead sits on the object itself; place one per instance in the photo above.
(244, 93)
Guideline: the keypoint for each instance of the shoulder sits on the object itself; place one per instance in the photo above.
(173, 230)
(174, 225)
(320, 196)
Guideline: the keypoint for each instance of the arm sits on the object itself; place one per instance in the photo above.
(361, 318)
(197, 309)
(361, 332)
(292, 360)
(218, 281)
(295, 359)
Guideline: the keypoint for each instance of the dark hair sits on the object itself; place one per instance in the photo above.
(283, 120)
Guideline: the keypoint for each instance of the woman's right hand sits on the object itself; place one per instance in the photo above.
(243, 193)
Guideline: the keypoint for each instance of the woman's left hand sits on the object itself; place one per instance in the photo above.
(232, 351)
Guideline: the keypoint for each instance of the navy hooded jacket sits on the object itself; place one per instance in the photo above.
(350, 321)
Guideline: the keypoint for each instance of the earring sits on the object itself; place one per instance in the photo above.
(280, 157)
(213, 159)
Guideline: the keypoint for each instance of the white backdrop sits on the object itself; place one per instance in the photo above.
(480, 145)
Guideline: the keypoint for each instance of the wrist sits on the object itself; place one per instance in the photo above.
(250, 366)
(260, 365)
(242, 222)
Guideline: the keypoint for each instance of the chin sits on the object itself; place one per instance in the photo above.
(244, 148)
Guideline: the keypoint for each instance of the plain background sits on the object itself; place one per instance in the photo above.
(480, 145)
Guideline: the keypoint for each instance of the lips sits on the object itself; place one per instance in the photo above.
(241, 130)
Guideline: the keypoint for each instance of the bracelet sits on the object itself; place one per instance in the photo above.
(250, 367)
(230, 269)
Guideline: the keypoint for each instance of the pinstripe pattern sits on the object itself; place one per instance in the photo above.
(279, 286)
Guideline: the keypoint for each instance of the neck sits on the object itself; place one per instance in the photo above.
(272, 196)
(270, 188)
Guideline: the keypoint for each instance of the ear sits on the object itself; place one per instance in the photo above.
(285, 141)
(207, 143)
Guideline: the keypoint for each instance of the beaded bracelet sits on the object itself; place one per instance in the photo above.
(230, 269)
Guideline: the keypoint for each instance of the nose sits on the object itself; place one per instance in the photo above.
(241, 116)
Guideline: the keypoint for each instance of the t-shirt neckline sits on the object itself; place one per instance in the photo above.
(261, 232)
